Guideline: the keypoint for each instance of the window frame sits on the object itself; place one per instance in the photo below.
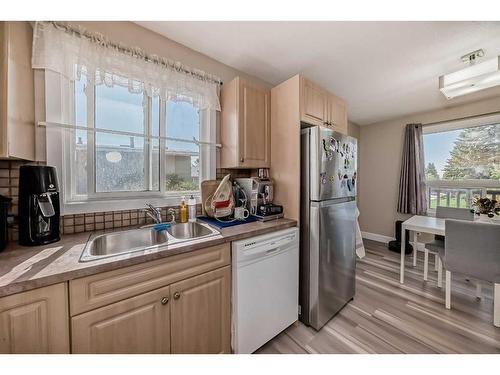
(470, 185)
(61, 142)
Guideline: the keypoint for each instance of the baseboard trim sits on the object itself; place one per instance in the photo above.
(376, 237)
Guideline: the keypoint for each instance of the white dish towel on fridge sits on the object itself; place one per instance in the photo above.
(360, 247)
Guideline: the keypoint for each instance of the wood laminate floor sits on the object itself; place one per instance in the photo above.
(387, 317)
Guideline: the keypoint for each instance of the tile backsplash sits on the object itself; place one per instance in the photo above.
(110, 220)
(9, 187)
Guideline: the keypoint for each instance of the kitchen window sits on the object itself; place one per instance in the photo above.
(462, 161)
(127, 148)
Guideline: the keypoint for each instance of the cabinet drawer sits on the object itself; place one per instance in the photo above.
(94, 291)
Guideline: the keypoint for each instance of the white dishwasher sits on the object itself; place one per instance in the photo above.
(265, 288)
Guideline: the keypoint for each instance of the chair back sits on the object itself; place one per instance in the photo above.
(473, 249)
(454, 213)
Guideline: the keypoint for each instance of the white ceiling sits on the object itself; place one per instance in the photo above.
(383, 70)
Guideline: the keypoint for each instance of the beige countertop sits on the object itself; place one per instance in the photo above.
(24, 268)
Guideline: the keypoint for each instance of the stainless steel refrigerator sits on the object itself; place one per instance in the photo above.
(328, 224)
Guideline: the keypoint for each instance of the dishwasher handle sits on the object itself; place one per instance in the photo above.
(266, 248)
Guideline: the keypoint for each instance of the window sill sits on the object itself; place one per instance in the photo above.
(100, 205)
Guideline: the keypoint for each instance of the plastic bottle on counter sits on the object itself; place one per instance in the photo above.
(192, 209)
(183, 210)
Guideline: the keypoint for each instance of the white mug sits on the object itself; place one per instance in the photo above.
(241, 213)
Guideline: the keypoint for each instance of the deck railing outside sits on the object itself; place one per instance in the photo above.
(460, 194)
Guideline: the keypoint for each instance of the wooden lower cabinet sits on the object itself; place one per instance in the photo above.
(190, 316)
(136, 325)
(36, 321)
(200, 315)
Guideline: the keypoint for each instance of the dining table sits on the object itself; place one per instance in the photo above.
(427, 224)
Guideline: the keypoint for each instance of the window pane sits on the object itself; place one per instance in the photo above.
(182, 166)
(460, 163)
(183, 120)
(471, 153)
(182, 161)
(118, 109)
(119, 163)
(80, 149)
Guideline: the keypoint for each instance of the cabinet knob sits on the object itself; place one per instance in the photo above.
(164, 300)
(177, 295)
(242, 160)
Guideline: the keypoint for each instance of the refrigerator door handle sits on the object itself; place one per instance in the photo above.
(331, 202)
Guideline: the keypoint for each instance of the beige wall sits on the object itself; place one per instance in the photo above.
(353, 129)
(380, 148)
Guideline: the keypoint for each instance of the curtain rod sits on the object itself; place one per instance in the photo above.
(461, 118)
(136, 52)
(48, 124)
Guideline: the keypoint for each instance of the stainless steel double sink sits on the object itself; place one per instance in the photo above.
(142, 239)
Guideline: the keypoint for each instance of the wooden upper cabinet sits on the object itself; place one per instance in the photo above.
(337, 115)
(17, 98)
(246, 125)
(322, 108)
(136, 325)
(36, 321)
(314, 103)
(200, 313)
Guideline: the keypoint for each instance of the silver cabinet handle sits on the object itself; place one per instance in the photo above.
(177, 295)
(242, 160)
(164, 300)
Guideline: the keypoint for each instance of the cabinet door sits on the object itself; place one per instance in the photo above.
(255, 126)
(314, 103)
(200, 311)
(337, 114)
(35, 321)
(136, 325)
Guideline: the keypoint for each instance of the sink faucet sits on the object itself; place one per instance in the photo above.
(153, 212)
(171, 212)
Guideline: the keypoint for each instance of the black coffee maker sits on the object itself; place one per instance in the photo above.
(38, 205)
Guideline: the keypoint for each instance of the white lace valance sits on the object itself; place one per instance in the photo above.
(73, 51)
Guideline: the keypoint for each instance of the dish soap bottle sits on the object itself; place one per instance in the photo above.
(183, 210)
(192, 209)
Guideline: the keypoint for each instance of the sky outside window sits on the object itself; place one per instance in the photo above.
(437, 147)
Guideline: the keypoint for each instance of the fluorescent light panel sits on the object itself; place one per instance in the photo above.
(471, 79)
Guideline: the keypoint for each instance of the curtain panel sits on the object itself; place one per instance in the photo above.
(412, 197)
(73, 51)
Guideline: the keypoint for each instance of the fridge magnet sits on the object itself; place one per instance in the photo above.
(324, 145)
(334, 144)
(328, 152)
(322, 177)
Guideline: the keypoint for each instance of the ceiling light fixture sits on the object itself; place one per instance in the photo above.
(475, 77)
